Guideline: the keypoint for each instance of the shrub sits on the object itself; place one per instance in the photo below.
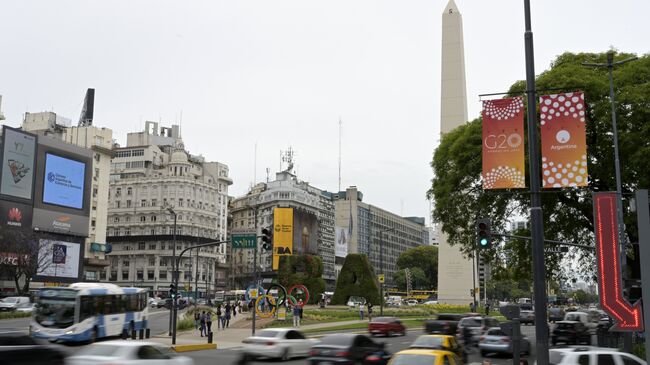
(303, 269)
(357, 278)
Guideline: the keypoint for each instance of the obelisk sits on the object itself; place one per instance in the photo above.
(455, 272)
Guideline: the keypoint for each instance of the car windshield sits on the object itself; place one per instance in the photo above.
(472, 322)
(56, 308)
(573, 317)
(10, 300)
(101, 349)
(336, 340)
(267, 333)
(412, 359)
(428, 342)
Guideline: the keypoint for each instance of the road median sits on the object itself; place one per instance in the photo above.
(195, 347)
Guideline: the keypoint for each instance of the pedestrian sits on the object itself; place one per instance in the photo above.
(300, 305)
(202, 323)
(234, 309)
(208, 321)
(369, 311)
(487, 308)
(296, 315)
(197, 321)
(219, 315)
(226, 317)
(361, 310)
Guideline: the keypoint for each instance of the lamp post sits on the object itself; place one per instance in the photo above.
(381, 267)
(172, 310)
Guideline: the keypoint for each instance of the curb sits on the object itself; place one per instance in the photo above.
(197, 347)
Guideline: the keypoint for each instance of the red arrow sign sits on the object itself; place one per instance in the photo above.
(627, 317)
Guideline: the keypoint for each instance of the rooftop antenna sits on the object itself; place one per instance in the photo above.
(288, 157)
(2, 117)
(340, 126)
(255, 165)
(268, 170)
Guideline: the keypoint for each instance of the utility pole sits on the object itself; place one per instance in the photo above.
(172, 323)
(254, 314)
(536, 214)
(381, 267)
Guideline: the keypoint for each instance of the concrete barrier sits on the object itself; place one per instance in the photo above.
(195, 347)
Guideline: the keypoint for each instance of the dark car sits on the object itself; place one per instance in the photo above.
(25, 350)
(555, 314)
(527, 317)
(570, 333)
(348, 348)
(445, 324)
(387, 326)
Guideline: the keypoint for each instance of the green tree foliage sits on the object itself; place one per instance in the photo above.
(357, 278)
(419, 279)
(424, 258)
(302, 269)
(568, 215)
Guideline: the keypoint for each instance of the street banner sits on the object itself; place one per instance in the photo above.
(282, 234)
(503, 144)
(564, 141)
(341, 244)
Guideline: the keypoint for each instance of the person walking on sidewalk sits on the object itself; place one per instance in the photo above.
(219, 317)
(197, 318)
(202, 322)
(234, 310)
(296, 315)
(361, 310)
(208, 321)
(369, 311)
(226, 317)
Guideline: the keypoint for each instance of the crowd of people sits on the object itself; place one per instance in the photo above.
(224, 313)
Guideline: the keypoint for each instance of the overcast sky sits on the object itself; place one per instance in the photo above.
(281, 73)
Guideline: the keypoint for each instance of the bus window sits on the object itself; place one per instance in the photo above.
(87, 308)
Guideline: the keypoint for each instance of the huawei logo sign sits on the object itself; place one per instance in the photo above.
(14, 217)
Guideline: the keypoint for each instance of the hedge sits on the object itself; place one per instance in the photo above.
(302, 269)
(357, 278)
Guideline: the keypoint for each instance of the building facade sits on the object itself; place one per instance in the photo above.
(159, 193)
(285, 192)
(100, 141)
(375, 232)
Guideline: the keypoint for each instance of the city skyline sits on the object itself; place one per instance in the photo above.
(281, 74)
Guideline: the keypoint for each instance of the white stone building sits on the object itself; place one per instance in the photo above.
(151, 175)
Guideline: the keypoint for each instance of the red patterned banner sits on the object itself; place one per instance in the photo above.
(564, 142)
(503, 144)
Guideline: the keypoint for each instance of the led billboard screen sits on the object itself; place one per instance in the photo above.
(63, 181)
(18, 153)
(58, 259)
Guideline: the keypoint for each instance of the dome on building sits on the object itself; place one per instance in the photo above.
(179, 156)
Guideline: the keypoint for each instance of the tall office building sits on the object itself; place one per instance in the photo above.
(456, 275)
(153, 180)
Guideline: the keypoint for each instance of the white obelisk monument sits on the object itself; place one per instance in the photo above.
(454, 271)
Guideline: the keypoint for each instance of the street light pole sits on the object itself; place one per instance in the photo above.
(381, 267)
(173, 309)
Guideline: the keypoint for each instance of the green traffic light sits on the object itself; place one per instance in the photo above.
(484, 241)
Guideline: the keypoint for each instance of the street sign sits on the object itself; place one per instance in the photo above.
(556, 249)
(510, 311)
(247, 240)
(381, 278)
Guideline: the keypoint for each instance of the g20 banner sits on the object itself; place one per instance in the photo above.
(503, 144)
(564, 144)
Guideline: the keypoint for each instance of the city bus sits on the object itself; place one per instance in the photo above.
(87, 312)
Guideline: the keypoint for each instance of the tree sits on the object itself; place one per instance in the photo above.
(419, 279)
(424, 258)
(302, 269)
(456, 188)
(21, 257)
(357, 278)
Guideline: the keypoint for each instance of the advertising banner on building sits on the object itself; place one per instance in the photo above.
(503, 144)
(15, 215)
(564, 142)
(58, 259)
(305, 233)
(58, 222)
(341, 246)
(282, 234)
(18, 158)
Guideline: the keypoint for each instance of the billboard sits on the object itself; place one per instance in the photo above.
(59, 222)
(63, 181)
(15, 215)
(58, 259)
(342, 239)
(564, 141)
(305, 233)
(282, 234)
(18, 159)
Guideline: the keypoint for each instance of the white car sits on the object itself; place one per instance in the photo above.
(412, 302)
(278, 343)
(431, 302)
(10, 304)
(29, 308)
(587, 355)
(127, 353)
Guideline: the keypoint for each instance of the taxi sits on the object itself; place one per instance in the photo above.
(439, 342)
(424, 357)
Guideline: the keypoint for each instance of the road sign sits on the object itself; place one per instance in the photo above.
(247, 240)
(556, 249)
(381, 278)
(627, 317)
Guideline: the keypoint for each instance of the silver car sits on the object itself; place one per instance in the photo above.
(497, 341)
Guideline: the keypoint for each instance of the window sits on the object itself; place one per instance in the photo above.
(140, 275)
(128, 204)
(628, 360)
(143, 218)
(102, 275)
(152, 246)
(125, 274)
(153, 218)
(127, 219)
(605, 359)
(118, 191)
(152, 261)
(180, 202)
(126, 262)
(150, 275)
(154, 202)
(113, 276)
(117, 204)
(162, 275)
(141, 245)
(129, 191)
(143, 203)
(95, 191)
(127, 231)
(93, 223)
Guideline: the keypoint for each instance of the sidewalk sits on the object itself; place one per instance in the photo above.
(239, 329)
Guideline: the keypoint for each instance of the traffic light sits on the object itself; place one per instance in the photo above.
(483, 234)
(267, 239)
(172, 291)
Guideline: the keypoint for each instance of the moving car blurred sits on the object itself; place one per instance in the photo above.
(127, 353)
(556, 314)
(23, 349)
(277, 343)
(387, 326)
(440, 342)
(10, 304)
(445, 324)
(526, 317)
(412, 302)
(477, 326)
(348, 348)
(157, 303)
(430, 302)
(28, 308)
(355, 301)
(496, 341)
(424, 357)
(599, 356)
(570, 333)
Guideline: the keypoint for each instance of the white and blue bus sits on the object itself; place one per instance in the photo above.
(88, 311)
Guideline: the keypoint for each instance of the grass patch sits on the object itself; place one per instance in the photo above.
(408, 323)
(186, 323)
(10, 315)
